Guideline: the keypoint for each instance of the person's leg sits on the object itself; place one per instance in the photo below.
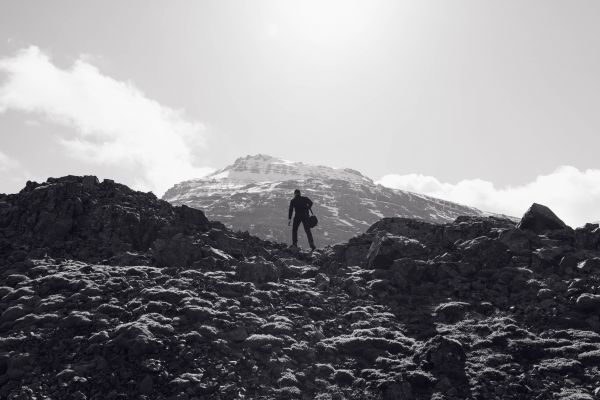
(295, 226)
(309, 236)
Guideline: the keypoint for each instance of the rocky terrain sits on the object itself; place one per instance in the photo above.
(107, 293)
(253, 195)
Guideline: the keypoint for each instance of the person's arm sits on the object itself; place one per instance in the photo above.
(291, 209)
(309, 203)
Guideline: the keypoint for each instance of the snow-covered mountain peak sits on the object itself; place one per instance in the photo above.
(254, 192)
(265, 168)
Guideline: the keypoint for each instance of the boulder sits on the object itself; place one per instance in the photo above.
(178, 251)
(409, 269)
(397, 391)
(539, 219)
(443, 356)
(591, 358)
(452, 311)
(560, 366)
(322, 282)
(257, 272)
(135, 339)
(589, 265)
(258, 341)
(485, 252)
(518, 241)
(588, 237)
(388, 247)
(568, 263)
(365, 344)
(343, 377)
(588, 302)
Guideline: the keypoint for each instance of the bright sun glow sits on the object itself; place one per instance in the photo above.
(324, 22)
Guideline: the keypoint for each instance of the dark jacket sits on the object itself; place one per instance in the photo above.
(301, 204)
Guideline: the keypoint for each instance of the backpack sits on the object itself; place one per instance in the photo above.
(312, 220)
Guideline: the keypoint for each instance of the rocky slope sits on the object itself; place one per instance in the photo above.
(254, 193)
(107, 293)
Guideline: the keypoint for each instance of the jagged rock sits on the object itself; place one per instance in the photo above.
(178, 250)
(560, 366)
(322, 281)
(257, 272)
(263, 342)
(78, 216)
(408, 270)
(539, 219)
(444, 356)
(136, 339)
(424, 232)
(545, 294)
(365, 344)
(398, 391)
(387, 247)
(485, 252)
(146, 386)
(588, 301)
(14, 312)
(343, 377)
(452, 311)
(591, 358)
(568, 263)
(137, 299)
(589, 265)
(588, 237)
(518, 241)
(548, 258)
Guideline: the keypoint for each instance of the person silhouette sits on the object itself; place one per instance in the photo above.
(301, 205)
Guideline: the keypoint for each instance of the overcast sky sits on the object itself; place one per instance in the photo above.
(490, 103)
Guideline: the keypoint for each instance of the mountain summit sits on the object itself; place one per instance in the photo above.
(265, 168)
(253, 194)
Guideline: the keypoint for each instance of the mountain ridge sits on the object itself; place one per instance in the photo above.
(247, 194)
(264, 168)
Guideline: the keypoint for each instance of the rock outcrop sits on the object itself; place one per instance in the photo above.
(539, 219)
(107, 293)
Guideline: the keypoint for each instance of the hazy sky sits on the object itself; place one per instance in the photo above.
(461, 99)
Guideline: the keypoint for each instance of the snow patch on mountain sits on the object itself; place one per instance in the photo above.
(265, 168)
(254, 192)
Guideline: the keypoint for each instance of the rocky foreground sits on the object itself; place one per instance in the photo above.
(107, 293)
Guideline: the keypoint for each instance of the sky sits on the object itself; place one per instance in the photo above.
(494, 104)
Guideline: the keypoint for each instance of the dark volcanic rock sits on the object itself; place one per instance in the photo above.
(588, 302)
(444, 356)
(116, 294)
(256, 271)
(452, 311)
(82, 218)
(588, 237)
(387, 247)
(540, 218)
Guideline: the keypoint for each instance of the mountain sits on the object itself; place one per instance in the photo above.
(108, 293)
(253, 195)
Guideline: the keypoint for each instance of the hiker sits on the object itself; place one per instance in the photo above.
(302, 205)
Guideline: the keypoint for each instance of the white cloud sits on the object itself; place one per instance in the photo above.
(574, 195)
(116, 123)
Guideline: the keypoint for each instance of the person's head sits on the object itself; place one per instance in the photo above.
(297, 193)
